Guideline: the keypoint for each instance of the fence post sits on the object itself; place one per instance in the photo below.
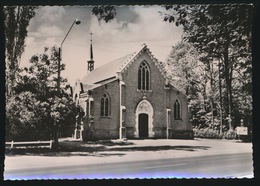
(50, 144)
(12, 144)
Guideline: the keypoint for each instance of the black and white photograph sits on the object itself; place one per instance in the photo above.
(129, 91)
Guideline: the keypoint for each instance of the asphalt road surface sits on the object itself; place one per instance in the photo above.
(211, 166)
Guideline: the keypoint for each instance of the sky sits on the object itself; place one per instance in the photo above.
(132, 27)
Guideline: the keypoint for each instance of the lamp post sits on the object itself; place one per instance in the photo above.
(77, 22)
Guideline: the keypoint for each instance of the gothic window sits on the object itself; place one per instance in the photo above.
(144, 77)
(177, 110)
(105, 105)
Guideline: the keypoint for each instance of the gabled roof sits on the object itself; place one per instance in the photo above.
(108, 72)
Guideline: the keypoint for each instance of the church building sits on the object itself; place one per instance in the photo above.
(130, 98)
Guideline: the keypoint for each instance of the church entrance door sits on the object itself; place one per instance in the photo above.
(143, 125)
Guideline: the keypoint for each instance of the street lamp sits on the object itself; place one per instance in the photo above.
(77, 22)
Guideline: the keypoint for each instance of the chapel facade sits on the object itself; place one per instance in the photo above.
(130, 98)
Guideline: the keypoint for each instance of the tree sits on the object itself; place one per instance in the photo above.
(183, 69)
(24, 114)
(194, 74)
(16, 22)
(221, 31)
(106, 13)
(39, 108)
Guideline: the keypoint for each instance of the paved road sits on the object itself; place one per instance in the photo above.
(211, 166)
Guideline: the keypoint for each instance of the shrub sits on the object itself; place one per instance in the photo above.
(210, 133)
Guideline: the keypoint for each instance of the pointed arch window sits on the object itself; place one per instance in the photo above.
(105, 105)
(144, 76)
(177, 110)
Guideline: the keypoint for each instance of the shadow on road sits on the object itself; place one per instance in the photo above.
(97, 149)
(158, 148)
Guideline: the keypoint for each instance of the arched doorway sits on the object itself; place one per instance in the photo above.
(144, 120)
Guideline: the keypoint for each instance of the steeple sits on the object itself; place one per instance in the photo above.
(91, 61)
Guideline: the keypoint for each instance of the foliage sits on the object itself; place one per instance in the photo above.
(222, 33)
(23, 117)
(106, 13)
(16, 22)
(37, 110)
(188, 71)
(210, 133)
(183, 68)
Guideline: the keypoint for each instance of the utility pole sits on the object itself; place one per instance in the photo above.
(77, 22)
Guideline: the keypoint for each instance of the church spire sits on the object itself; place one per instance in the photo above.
(91, 49)
(91, 61)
